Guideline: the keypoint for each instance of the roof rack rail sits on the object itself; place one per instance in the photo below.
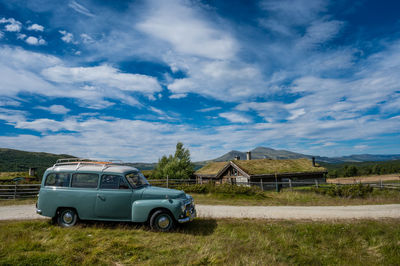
(81, 161)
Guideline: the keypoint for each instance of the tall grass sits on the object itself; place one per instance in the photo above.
(224, 242)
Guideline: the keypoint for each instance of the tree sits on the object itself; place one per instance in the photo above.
(178, 166)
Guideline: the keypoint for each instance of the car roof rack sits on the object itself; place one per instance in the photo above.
(82, 161)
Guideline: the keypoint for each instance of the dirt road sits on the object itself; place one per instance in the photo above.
(27, 212)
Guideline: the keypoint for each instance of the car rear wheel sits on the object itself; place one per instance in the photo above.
(162, 221)
(67, 218)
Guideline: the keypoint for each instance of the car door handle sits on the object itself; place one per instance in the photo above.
(101, 197)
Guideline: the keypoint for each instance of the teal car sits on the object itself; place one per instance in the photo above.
(104, 191)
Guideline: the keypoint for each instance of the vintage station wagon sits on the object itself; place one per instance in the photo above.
(91, 190)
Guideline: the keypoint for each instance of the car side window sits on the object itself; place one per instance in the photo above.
(122, 183)
(113, 182)
(57, 180)
(83, 180)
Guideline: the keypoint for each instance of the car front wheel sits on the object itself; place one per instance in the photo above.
(67, 218)
(162, 221)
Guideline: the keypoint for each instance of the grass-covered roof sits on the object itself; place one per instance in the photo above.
(264, 166)
(211, 168)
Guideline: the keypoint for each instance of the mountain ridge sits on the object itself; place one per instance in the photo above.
(16, 160)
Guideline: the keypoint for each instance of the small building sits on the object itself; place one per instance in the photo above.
(32, 171)
(261, 170)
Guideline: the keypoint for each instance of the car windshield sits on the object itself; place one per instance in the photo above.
(136, 179)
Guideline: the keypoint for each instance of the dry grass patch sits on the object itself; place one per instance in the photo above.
(364, 179)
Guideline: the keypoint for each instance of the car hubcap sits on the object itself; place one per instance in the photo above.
(68, 217)
(163, 222)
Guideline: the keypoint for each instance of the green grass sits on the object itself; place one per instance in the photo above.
(303, 197)
(223, 242)
(11, 175)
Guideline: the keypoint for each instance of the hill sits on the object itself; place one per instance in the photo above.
(20, 161)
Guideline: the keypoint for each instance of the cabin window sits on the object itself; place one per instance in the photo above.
(82, 180)
(113, 182)
(57, 180)
(234, 172)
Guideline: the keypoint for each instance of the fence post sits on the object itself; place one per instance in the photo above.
(290, 183)
(167, 181)
(262, 186)
(276, 183)
(381, 184)
(15, 190)
(316, 183)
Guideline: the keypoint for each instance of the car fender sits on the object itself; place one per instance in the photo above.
(142, 208)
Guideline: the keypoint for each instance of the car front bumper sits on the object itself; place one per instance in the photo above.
(190, 215)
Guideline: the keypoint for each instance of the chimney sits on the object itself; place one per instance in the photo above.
(248, 155)
(313, 161)
(237, 158)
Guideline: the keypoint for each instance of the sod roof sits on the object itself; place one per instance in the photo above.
(264, 166)
(211, 168)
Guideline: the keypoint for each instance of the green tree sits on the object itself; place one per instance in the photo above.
(178, 166)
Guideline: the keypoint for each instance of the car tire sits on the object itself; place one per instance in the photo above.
(67, 217)
(162, 221)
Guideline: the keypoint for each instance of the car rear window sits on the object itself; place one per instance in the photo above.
(57, 180)
(83, 180)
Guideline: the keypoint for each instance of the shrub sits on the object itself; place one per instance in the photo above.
(221, 189)
(202, 189)
(346, 191)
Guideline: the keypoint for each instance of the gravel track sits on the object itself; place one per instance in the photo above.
(27, 212)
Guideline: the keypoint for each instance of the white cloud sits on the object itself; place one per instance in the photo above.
(67, 36)
(181, 25)
(178, 96)
(21, 36)
(35, 41)
(86, 38)
(209, 109)
(36, 27)
(103, 75)
(80, 8)
(235, 117)
(12, 25)
(319, 32)
(55, 109)
(361, 147)
(23, 71)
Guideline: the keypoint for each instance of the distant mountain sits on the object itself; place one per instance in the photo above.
(263, 152)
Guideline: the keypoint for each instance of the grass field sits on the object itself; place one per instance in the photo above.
(11, 175)
(225, 242)
(297, 198)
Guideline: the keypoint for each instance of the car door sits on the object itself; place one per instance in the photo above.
(114, 198)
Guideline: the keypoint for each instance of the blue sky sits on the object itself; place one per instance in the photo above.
(128, 79)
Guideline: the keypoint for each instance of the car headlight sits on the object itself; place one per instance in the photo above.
(183, 207)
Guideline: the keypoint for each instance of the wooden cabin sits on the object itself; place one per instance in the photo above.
(265, 170)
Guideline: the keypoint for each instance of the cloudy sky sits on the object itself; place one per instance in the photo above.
(129, 79)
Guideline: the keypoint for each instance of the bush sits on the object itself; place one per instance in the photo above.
(345, 191)
(201, 189)
(221, 189)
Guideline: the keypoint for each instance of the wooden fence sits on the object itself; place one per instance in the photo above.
(16, 191)
(19, 191)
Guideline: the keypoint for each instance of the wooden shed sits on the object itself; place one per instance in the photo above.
(265, 170)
